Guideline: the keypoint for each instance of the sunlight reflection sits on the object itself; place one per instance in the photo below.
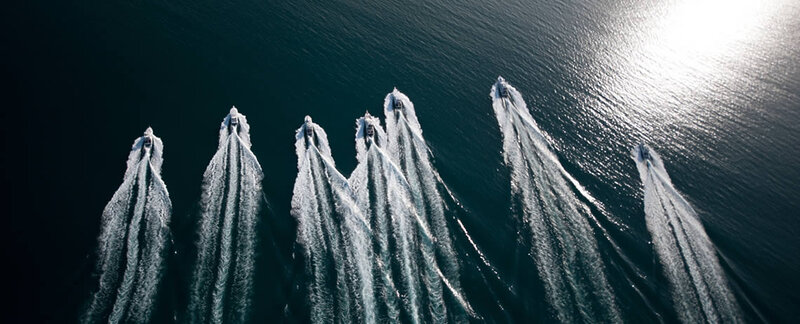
(686, 49)
(708, 27)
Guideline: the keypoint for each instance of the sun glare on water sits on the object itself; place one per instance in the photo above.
(709, 27)
(685, 48)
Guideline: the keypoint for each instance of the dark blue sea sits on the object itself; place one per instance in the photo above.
(713, 86)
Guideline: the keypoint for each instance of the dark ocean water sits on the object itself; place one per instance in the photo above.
(714, 86)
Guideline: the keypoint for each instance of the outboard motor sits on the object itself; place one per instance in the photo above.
(503, 91)
(370, 130)
(147, 144)
(147, 141)
(369, 134)
(644, 153)
(233, 123)
(398, 104)
(308, 131)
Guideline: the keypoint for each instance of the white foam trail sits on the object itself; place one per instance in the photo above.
(133, 239)
(564, 248)
(382, 193)
(374, 206)
(334, 234)
(385, 194)
(153, 259)
(408, 148)
(700, 290)
(223, 274)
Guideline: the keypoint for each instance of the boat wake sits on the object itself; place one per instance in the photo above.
(133, 239)
(334, 234)
(231, 199)
(700, 291)
(408, 148)
(382, 194)
(555, 215)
